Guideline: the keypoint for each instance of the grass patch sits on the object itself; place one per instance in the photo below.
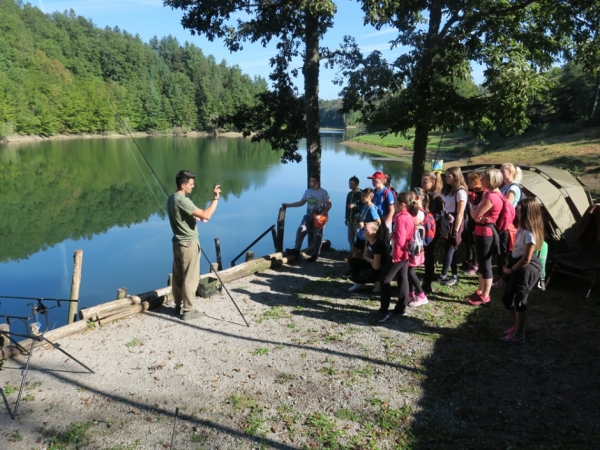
(134, 343)
(8, 389)
(275, 313)
(261, 351)
(284, 377)
(75, 436)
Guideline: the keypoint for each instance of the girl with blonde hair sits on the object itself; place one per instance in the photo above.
(432, 185)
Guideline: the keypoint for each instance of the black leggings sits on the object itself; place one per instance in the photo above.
(363, 272)
(504, 237)
(430, 261)
(414, 285)
(449, 258)
(485, 249)
(399, 272)
(520, 284)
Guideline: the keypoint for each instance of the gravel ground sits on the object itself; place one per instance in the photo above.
(310, 351)
(314, 370)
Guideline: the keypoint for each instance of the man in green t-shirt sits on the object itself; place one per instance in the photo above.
(183, 215)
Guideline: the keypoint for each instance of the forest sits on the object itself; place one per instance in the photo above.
(61, 74)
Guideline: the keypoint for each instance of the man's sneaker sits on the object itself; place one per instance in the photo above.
(178, 309)
(191, 315)
(443, 278)
(384, 316)
(419, 300)
(471, 271)
(313, 258)
(451, 281)
(377, 288)
(356, 287)
(500, 284)
(513, 338)
(292, 252)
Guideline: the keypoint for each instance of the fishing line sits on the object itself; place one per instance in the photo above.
(167, 194)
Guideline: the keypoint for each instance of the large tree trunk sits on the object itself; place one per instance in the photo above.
(311, 97)
(425, 81)
(419, 154)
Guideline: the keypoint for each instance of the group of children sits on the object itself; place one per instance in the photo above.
(391, 234)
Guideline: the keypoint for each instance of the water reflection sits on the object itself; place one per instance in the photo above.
(58, 196)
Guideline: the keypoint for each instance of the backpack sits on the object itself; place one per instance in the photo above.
(429, 226)
(507, 215)
(445, 220)
(415, 246)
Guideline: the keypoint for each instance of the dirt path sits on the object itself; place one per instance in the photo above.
(315, 371)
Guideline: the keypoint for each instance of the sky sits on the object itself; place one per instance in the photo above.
(150, 18)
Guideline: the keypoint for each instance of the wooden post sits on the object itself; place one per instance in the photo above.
(249, 256)
(170, 280)
(218, 250)
(121, 293)
(280, 228)
(274, 236)
(75, 283)
(214, 267)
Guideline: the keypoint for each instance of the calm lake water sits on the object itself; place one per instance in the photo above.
(59, 196)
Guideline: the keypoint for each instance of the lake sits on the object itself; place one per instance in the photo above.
(97, 195)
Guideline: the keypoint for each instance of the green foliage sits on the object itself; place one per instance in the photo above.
(59, 72)
(427, 88)
(280, 117)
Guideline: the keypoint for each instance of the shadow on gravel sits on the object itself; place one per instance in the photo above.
(477, 392)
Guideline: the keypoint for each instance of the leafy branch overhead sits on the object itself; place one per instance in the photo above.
(282, 117)
(427, 87)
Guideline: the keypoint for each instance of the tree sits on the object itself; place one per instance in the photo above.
(515, 40)
(298, 26)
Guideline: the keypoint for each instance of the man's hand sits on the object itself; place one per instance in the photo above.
(217, 191)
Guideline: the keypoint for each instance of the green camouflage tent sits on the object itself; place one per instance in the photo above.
(563, 197)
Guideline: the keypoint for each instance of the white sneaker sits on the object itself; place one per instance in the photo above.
(377, 288)
(356, 287)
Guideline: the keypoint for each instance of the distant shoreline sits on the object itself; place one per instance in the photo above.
(35, 138)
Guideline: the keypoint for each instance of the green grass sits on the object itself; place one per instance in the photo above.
(261, 351)
(449, 140)
(275, 313)
(135, 342)
(74, 436)
(8, 389)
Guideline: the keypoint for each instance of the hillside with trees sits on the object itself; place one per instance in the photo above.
(59, 73)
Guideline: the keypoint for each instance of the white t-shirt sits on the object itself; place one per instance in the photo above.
(460, 195)
(316, 200)
(523, 238)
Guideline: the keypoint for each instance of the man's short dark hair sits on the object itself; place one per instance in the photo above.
(183, 177)
(316, 178)
(355, 180)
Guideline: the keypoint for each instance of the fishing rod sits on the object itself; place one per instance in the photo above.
(167, 194)
(39, 299)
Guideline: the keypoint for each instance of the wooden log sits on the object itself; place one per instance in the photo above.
(53, 336)
(131, 310)
(121, 293)
(75, 283)
(99, 310)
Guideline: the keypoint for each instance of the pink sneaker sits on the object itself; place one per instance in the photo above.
(471, 271)
(475, 295)
(508, 331)
(513, 338)
(412, 296)
(420, 300)
(477, 299)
